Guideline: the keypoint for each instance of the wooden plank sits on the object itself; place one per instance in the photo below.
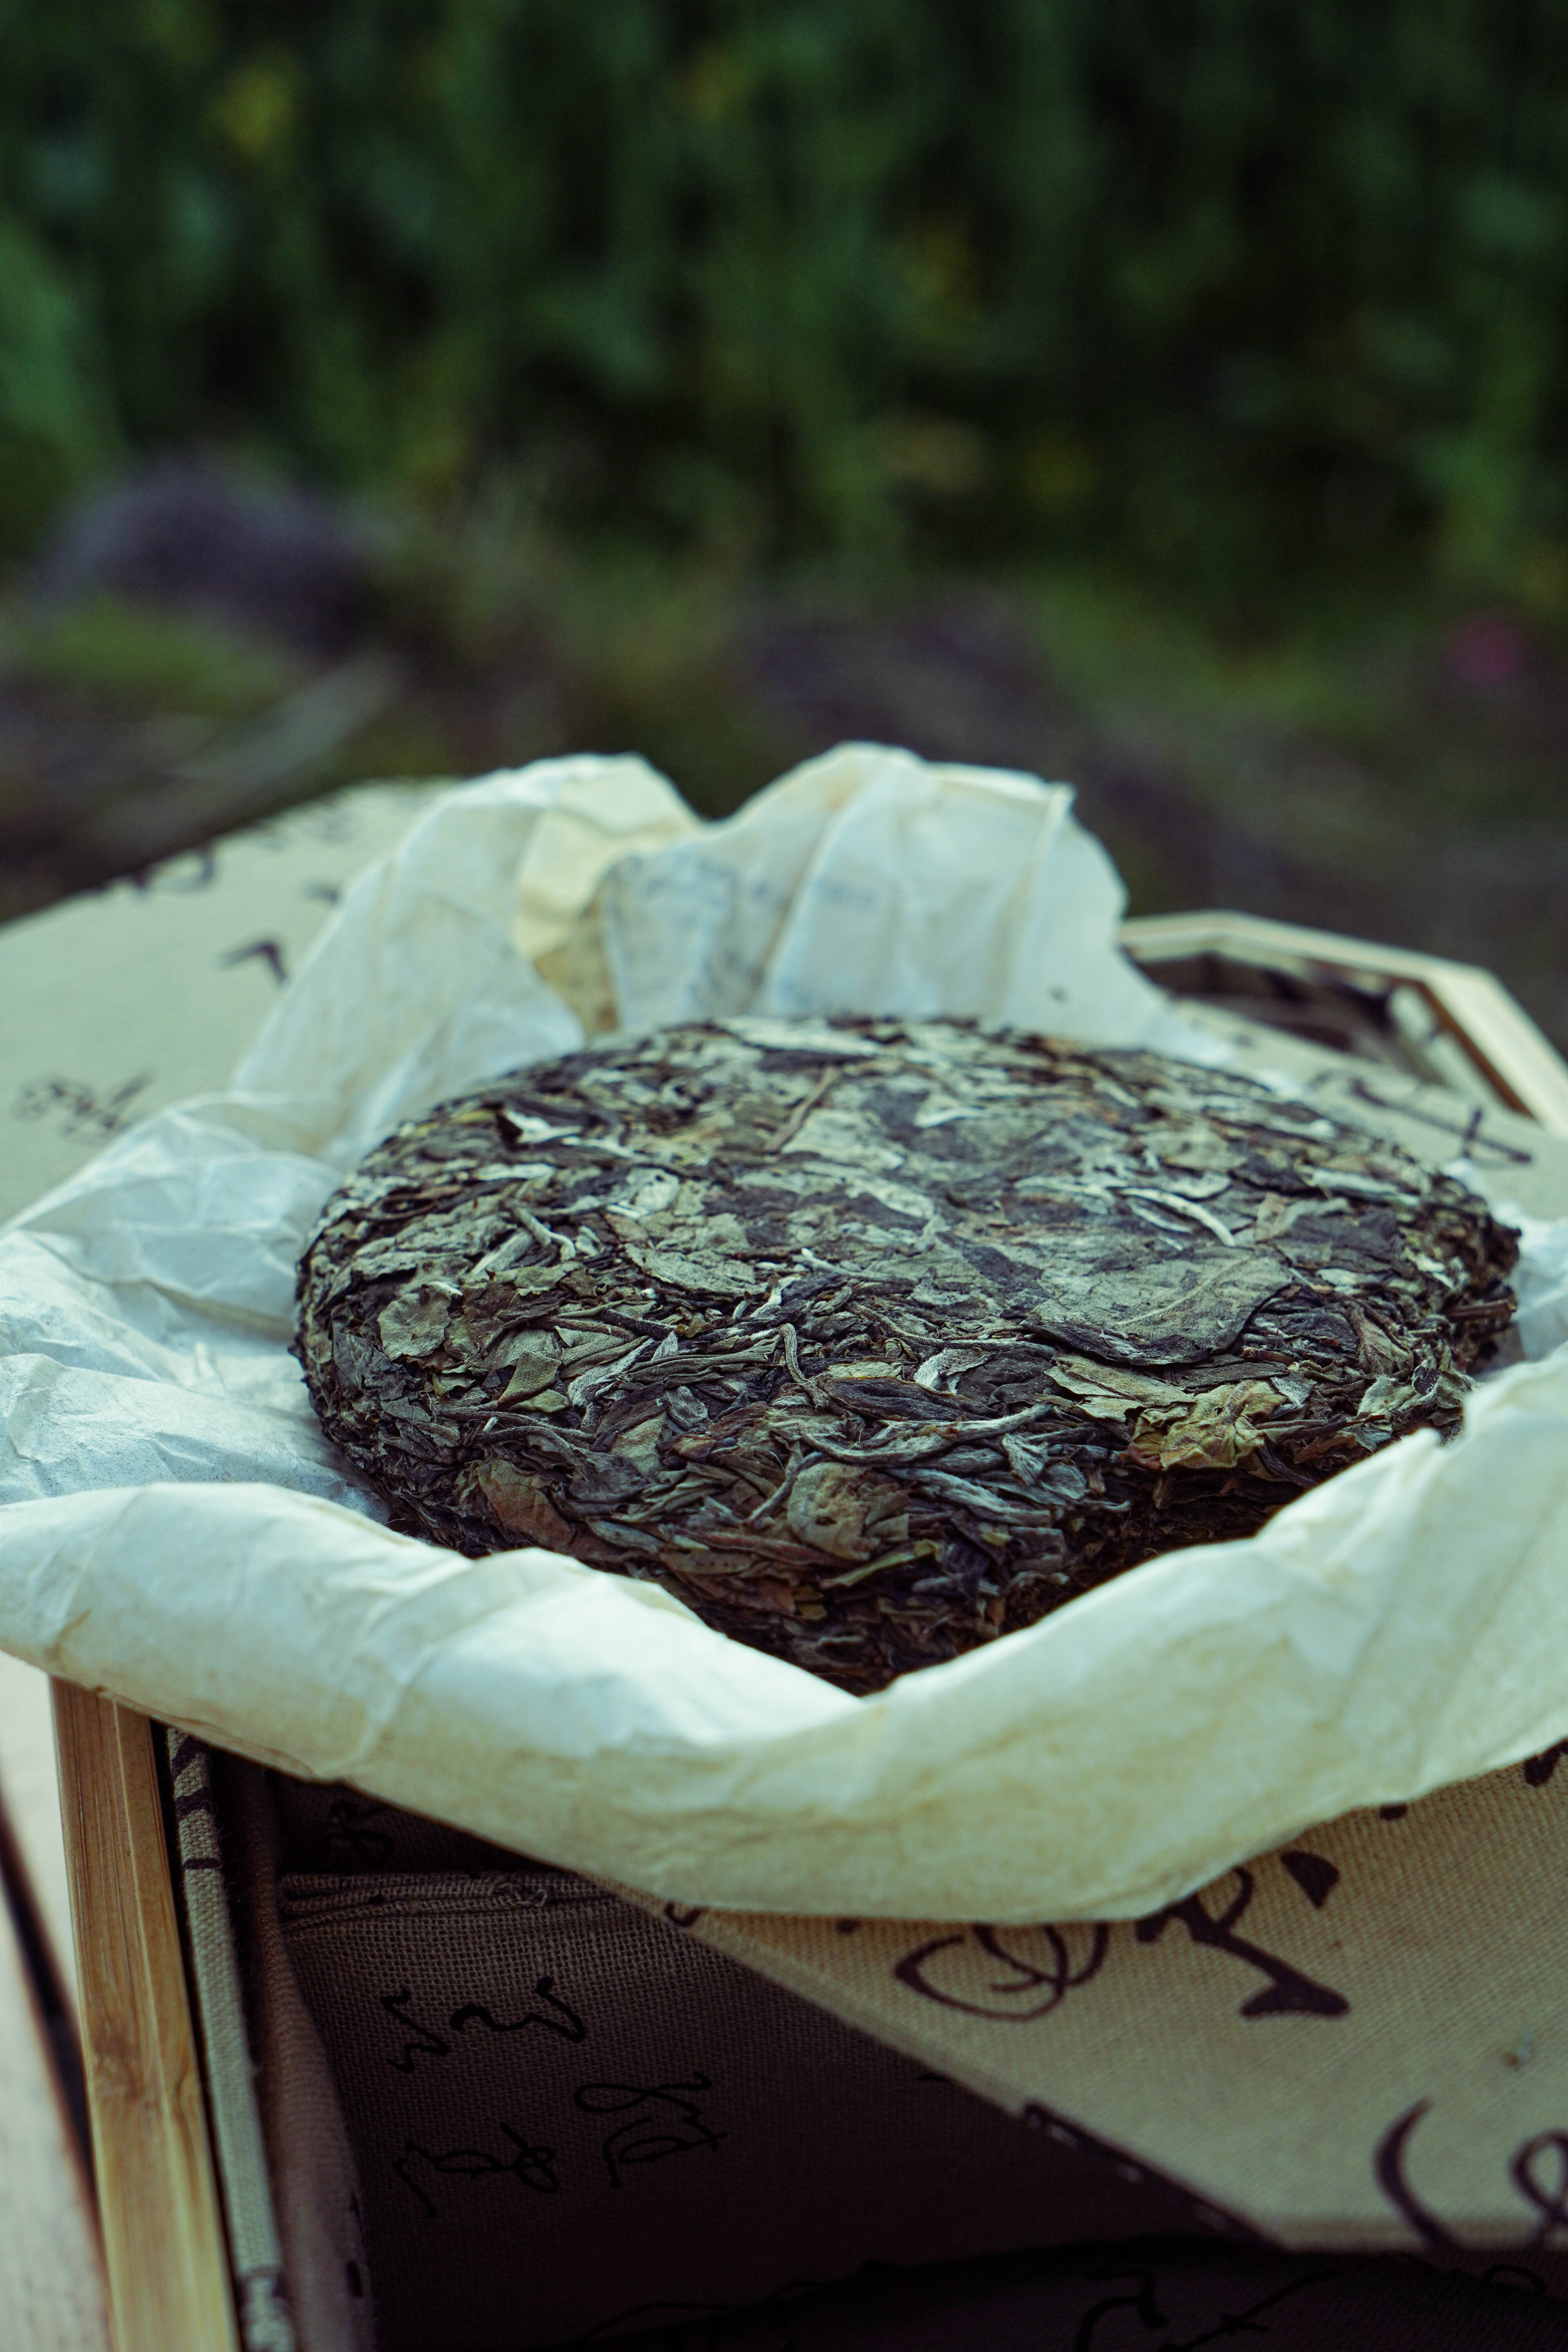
(163, 2234)
(51, 2274)
(30, 1792)
(1518, 1060)
(1501, 1037)
(1259, 939)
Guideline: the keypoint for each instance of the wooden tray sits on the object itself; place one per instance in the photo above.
(162, 2228)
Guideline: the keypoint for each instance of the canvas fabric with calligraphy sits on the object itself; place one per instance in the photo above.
(121, 1000)
(569, 2120)
(571, 2116)
(1361, 2041)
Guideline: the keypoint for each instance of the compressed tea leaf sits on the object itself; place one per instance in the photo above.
(875, 1340)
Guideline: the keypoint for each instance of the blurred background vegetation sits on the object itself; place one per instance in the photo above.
(1167, 394)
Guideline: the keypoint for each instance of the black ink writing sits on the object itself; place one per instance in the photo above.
(1031, 1988)
(565, 2021)
(1244, 2322)
(1287, 1993)
(1538, 1770)
(428, 2041)
(1514, 2274)
(661, 2119)
(1388, 2168)
(1526, 2171)
(533, 2165)
(348, 1825)
(1143, 2303)
(267, 952)
(1538, 2169)
(162, 877)
(1469, 1137)
(1038, 1978)
(423, 2040)
(1316, 1878)
(78, 1109)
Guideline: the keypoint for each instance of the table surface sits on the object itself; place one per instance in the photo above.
(51, 2283)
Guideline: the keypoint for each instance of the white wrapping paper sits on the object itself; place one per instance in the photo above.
(177, 1533)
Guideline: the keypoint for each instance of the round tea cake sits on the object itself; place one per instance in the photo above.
(875, 1340)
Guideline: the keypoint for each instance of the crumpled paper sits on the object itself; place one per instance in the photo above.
(1540, 1281)
(177, 1533)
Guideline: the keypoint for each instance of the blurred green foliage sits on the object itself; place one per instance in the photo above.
(146, 658)
(1232, 288)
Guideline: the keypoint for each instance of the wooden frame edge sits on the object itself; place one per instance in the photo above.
(165, 2247)
(1517, 1060)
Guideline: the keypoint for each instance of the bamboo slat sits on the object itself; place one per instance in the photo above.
(162, 2235)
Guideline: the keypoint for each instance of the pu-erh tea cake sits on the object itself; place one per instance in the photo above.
(875, 1340)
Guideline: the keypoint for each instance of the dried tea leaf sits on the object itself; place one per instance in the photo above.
(534, 1358)
(708, 1276)
(874, 1340)
(1170, 1313)
(845, 1511)
(518, 1504)
(414, 1323)
(1221, 1429)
